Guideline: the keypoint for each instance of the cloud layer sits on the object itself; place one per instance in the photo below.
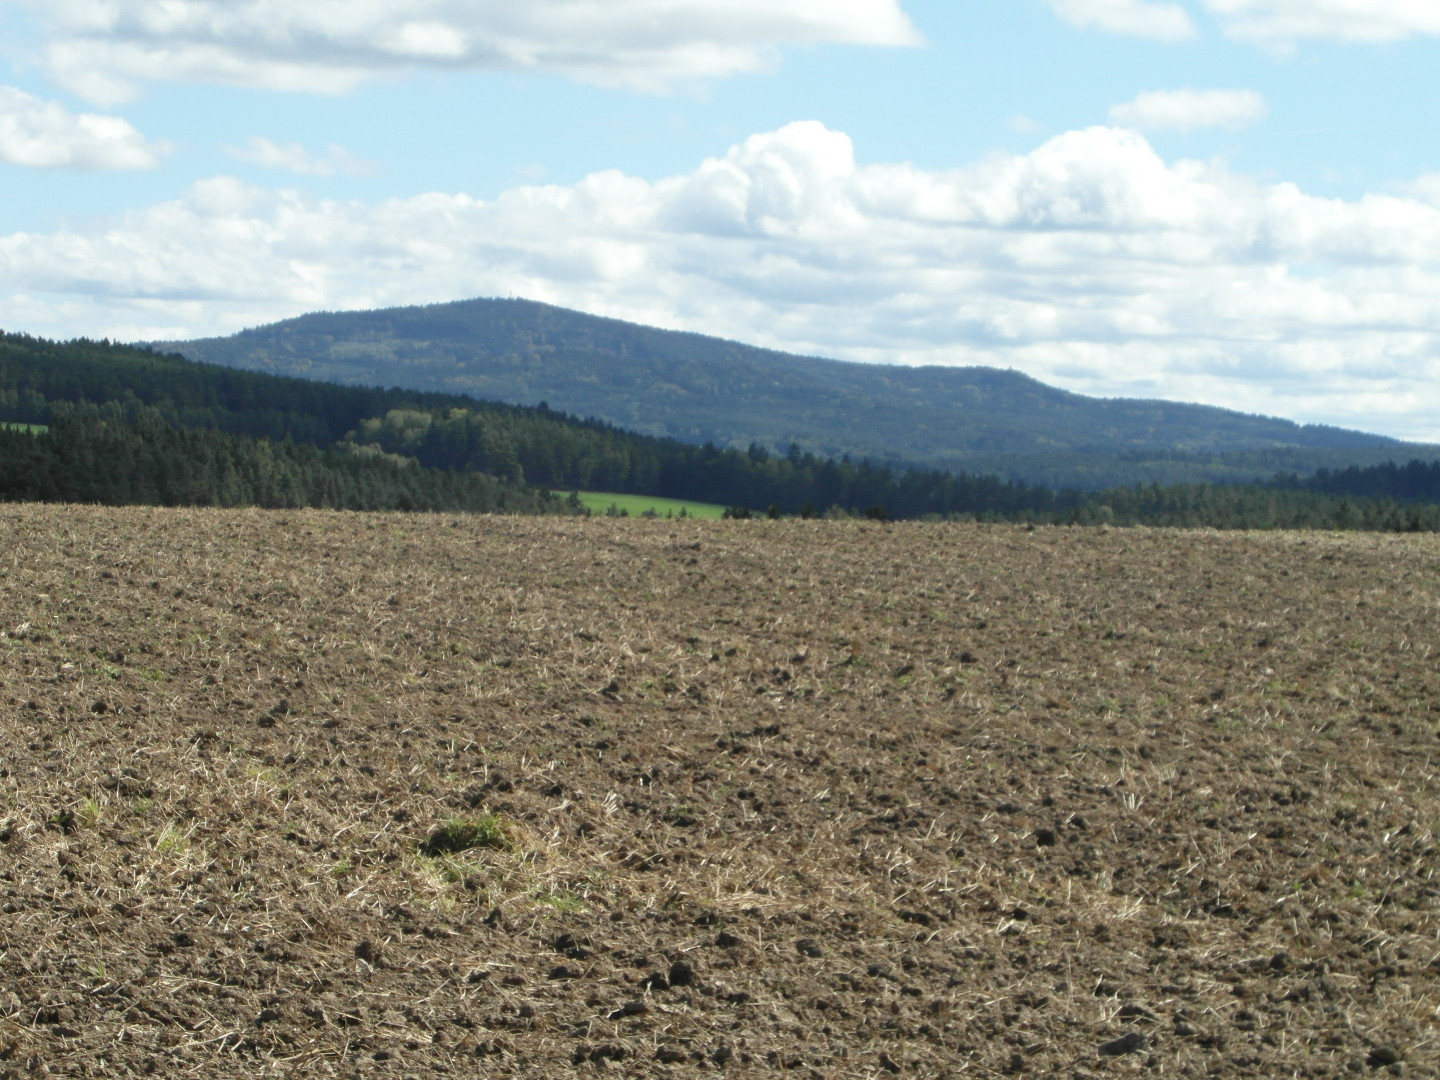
(1282, 21)
(104, 49)
(1090, 261)
(46, 135)
(1184, 110)
(292, 157)
(1269, 22)
(1163, 21)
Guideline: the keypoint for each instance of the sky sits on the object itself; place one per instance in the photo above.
(1234, 202)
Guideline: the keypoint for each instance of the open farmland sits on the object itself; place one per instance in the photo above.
(791, 798)
(600, 502)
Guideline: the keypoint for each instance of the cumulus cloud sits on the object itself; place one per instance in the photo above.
(1091, 262)
(46, 135)
(105, 49)
(1284, 21)
(292, 157)
(1184, 110)
(1140, 18)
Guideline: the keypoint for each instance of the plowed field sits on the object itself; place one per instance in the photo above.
(309, 794)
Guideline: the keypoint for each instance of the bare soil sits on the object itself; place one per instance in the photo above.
(810, 799)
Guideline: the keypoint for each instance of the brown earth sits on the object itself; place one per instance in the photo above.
(808, 799)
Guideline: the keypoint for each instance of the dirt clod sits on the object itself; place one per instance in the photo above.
(1129, 1043)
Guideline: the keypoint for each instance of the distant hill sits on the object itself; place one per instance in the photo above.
(88, 421)
(701, 389)
(95, 421)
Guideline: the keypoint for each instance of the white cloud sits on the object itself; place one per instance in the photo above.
(1091, 262)
(1284, 21)
(1183, 110)
(46, 135)
(1140, 18)
(292, 157)
(1425, 188)
(105, 48)
(1276, 23)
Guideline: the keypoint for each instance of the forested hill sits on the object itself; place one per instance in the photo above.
(121, 402)
(95, 422)
(701, 389)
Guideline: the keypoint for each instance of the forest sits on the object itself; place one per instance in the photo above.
(700, 389)
(117, 456)
(106, 423)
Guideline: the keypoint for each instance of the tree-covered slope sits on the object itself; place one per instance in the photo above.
(95, 422)
(144, 391)
(700, 389)
(127, 457)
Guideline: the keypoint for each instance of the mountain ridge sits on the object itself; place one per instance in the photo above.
(699, 388)
(90, 421)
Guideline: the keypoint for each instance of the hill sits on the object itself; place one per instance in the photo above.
(700, 389)
(115, 412)
(382, 796)
(88, 421)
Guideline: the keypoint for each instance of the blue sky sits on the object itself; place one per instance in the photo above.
(1228, 201)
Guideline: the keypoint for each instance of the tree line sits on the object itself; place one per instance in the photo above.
(134, 425)
(549, 449)
(116, 455)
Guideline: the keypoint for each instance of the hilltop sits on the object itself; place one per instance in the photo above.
(702, 389)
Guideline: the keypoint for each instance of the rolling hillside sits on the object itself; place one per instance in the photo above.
(89, 421)
(700, 389)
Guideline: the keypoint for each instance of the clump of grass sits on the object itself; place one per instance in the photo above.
(89, 813)
(561, 901)
(453, 870)
(463, 834)
(172, 840)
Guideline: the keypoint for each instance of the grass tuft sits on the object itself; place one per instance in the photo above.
(463, 834)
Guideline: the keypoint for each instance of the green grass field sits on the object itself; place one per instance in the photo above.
(34, 429)
(599, 502)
